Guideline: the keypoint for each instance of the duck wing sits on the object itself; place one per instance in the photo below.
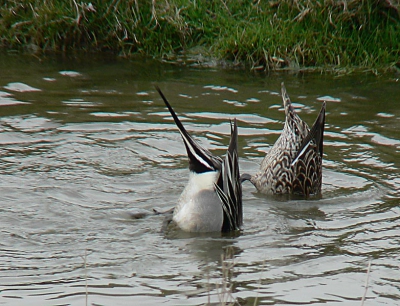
(307, 165)
(228, 186)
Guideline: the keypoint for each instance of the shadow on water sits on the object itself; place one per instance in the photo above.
(87, 150)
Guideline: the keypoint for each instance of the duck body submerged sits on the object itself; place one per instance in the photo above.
(198, 208)
(294, 163)
(212, 198)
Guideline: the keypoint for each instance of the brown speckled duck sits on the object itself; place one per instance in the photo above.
(294, 163)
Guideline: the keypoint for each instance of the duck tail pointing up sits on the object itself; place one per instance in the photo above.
(200, 159)
(287, 104)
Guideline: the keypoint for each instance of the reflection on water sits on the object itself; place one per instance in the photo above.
(87, 150)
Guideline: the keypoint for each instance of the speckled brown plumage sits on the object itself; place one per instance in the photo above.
(294, 163)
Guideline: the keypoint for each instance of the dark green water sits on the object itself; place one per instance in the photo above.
(87, 143)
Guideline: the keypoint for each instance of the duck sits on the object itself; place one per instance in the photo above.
(212, 198)
(294, 163)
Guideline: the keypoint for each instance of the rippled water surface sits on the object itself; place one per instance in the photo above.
(87, 150)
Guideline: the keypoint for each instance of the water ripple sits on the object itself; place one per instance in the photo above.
(86, 159)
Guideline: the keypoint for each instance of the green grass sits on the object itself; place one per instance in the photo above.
(261, 34)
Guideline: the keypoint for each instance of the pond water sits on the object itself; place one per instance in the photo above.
(88, 149)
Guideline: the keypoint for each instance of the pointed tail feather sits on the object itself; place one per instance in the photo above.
(293, 120)
(287, 104)
(200, 159)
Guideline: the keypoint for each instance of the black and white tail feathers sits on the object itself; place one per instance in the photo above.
(229, 187)
(200, 160)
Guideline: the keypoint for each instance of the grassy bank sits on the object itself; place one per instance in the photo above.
(262, 34)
